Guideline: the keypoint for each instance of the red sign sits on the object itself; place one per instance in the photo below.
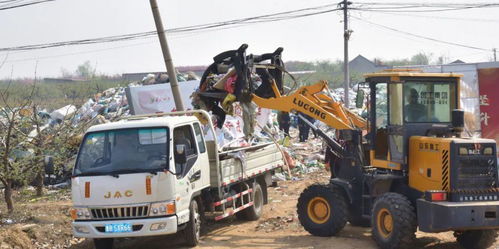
(488, 79)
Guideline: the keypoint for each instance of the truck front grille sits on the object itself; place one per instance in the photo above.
(120, 212)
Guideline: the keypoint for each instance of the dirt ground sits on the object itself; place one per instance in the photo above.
(45, 223)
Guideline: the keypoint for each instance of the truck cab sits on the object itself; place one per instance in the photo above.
(154, 175)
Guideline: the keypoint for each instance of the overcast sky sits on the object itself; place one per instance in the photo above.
(307, 39)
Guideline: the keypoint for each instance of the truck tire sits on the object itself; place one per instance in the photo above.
(476, 239)
(103, 243)
(192, 231)
(254, 212)
(393, 221)
(322, 210)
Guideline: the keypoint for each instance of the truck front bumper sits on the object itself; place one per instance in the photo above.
(455, 216)
(141, 227)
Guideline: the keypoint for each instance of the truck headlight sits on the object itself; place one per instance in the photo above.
(162, 208)
(80, 213)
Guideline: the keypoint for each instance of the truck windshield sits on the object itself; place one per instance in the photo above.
(123, 151)
(429, 101)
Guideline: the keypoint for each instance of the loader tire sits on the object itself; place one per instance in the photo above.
(476, 239)
(322, 210)
(393, 221)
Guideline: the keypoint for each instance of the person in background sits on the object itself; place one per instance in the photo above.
(284, 120)
(303, 128)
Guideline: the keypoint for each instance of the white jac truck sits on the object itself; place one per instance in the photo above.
(156, 174)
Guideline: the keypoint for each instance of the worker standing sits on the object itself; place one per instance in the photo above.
(303, 128)
(284, 120)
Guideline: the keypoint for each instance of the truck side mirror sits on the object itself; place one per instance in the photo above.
(49, 165)
(180, 155)
(359, 99)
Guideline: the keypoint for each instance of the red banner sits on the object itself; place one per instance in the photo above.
(488, 79)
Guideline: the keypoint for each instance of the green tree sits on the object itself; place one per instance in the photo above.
(85, 70)
(421, 58)
(15, 158)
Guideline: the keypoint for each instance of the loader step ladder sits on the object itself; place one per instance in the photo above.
(233, 199)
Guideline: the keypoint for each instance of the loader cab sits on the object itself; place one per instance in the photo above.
(404, 104)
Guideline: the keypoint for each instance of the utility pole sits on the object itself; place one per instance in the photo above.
(346, 37)
(495, 51)
(170, 69)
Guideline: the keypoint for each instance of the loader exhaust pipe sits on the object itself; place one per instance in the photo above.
(457, 122)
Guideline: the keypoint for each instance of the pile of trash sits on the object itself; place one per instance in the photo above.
(275, 223)
(161, 78)
(301, 157)
(108, 105)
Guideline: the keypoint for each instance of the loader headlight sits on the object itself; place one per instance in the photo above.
(162, 208)
(463, 151)
(487, 151)
(78, 213)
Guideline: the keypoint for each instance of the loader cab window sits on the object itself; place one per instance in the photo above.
(380, 135)
(429, 102)
(183, 135)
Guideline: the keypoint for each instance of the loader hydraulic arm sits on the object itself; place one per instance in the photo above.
(313, 101)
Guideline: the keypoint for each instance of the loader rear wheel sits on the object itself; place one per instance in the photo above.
(476, 239)
(322, 210)
(393, 221)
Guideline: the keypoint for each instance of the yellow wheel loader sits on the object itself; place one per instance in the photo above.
(405, 166)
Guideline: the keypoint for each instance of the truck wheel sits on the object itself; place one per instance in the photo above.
(476, 239)
(192, 231)
(254, 212)
(103, 243)
(393, 221)
(322, 210)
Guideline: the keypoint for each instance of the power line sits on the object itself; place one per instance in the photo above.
(425, 4)
(286, 15)
(441, 17)
(178, 36)
(424, 7)
(9, 2)
(25, 4)
(420, 36)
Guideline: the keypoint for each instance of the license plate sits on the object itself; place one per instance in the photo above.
(118, 228)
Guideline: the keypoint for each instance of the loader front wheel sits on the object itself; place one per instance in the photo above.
(393, 221)
(322, 210)
(476, 239)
